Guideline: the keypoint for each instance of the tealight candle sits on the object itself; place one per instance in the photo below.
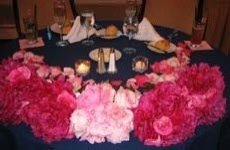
(82, 67)
(140, 64)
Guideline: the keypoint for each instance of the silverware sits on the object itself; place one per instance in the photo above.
(49, 35)
(173, 34)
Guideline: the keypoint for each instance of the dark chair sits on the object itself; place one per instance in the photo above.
(73, 8)
(107, 9)
(9, 25)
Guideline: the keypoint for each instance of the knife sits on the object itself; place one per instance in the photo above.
(49, 35)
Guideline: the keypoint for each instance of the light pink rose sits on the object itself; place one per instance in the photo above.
(67, 71)
(90, 97)
(107, 92)
(43, 71)
(79, 122)
(18, 74)
(36, 59)
(93, 139)
(90, 81)
(126, 98)
(55, 71)
(118, 135)
(131, 83)
(76, 81)
(163, 126)
(19, 55)
(119, 116)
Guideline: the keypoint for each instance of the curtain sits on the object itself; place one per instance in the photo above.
(218, 26)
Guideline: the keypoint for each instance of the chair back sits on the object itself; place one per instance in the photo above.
(9, 17)
(106, 9)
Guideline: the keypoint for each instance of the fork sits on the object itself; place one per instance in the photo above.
(173, 34)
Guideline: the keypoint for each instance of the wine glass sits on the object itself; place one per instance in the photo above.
(131, 8)
(87, 20)
(130, 27)
(59, 17)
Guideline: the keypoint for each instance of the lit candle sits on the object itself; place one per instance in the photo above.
(140, 64)
(82, 67)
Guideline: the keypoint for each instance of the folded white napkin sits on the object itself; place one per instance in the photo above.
(78, 32)
(146, 32)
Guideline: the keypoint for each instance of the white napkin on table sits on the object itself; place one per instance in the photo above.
(78, 32)
(146, 32)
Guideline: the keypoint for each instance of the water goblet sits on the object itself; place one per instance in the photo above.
(30, 26)
(60, 17)
(131, 8)
(130, 27)
(87, 21)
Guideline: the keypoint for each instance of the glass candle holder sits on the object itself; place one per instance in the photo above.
(140, 64)
(82, 67)
(198, 31)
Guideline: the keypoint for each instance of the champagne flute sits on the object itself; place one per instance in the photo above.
(59, 17)
(87, 20)
(130, 27)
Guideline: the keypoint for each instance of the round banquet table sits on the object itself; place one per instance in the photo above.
(206, 137)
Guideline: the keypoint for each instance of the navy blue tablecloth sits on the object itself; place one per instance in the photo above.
(21, 136)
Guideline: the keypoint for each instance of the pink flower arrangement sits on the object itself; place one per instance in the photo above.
(18, 74)
(103, 114)
(205, 85)
(26, 97)
(158, 119)
(57, 104)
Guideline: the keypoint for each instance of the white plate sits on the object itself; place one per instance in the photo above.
(94, 54)
(101, 34)
(172, 48)
(54, 27)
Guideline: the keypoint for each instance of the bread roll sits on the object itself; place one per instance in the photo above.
(111, 30)
(162, 45)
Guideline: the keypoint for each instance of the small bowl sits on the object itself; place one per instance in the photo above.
(82, 67)
(140, 64)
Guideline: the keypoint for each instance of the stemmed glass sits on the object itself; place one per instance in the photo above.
(131, 8)
(59, 17)
(87, 20)
(130, 27)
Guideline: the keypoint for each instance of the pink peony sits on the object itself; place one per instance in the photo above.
(163, 126)
(43, 71)
(67, 71)
(19, 55)
(49, 112)
(141, 80)
(55, 71)
(65, 98)
(126, 98)
(76, 81)
(90, 97)
(116, 83)
(131, 83)
(80, 120)
(18, 74)
(159, 117)
(205, 85)
(168, 66)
